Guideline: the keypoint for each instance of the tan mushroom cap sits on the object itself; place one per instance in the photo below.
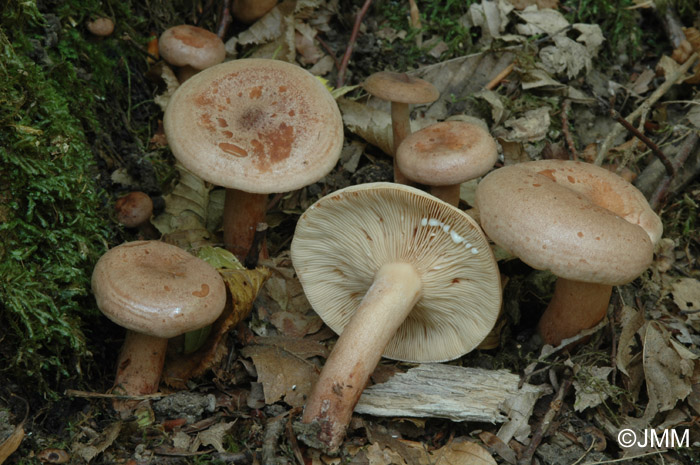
(256, 125)
(344, 239)
(193, 46)
(578, 220)
(157, 289)
(400, 87)
(447, 153)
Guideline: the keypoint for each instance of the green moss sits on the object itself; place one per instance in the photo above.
(52, 223)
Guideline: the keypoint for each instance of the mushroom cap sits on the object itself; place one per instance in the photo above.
(400, 87)
(157, 289)
(447, 153)
(101, 27)
(186, 45)
(134, 209)
(256, 125)
(342, 240)
(578, 220)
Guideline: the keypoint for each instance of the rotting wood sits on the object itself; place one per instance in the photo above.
(446, 391)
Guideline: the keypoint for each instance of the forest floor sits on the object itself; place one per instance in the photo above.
(543, 76)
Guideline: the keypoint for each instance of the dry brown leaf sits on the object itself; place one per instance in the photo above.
(302, 348)
(11, 444)
(627, 348)
(243, 285)
(686, 294)
(282, 374)
(214, 435)
(668, 375)
(499, 447)
(592, 392)
(462, 451)
(88, 451)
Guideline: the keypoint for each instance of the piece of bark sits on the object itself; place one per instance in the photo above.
(446, 391)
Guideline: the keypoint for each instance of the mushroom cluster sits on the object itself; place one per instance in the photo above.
(588, 226)
(397, 273)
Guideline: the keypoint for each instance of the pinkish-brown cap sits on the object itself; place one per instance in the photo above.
(578, 220)
(447, 153)
(101, 27)
(256, 125)
(157, 289)
(400, 88)
(193, 46)
(134, 209)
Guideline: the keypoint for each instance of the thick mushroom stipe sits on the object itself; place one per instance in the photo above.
(398, 274)
(156, 291)
(580, 221)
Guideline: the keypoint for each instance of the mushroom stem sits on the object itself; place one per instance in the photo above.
(401, 128)
(575, 306)
(449, 194)
(242, 213)
(395, 290)
(139, 367)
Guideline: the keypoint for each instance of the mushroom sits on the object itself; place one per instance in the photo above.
(101, 27)
(254, 126)
(588, 226)
(400, 274)
(401, 90)
(191, 48)
(156, 291)
(249, 11)
(446, 154)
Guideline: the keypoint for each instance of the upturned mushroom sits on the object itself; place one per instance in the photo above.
(256, 127)
(586, 225)
(191, 49)
(397, 273)
(401, 90)
(446, 154)
(156, 291)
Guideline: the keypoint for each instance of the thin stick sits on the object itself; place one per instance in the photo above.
(493, 83)
(662, 189)
(544, 425)
(565, 106)
(648, 142)
(225, 19)
(351, 43)
(99, 395)
(330, 51)
(644, 107)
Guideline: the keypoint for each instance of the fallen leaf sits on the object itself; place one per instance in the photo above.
(11, 444)
(686, 294)
(96, 445)
(462, 451)
(594, 389)
(282, 374)
(214, 435)
(667, 374)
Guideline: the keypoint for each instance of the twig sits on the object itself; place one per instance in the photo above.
(351, 43)
(644, 107)
(330, 51)
(493, 83)
(256, 247)
(662, 189)
(225, 19)
(648, 142)
(565, 107)
(99, 395)
(543, 427)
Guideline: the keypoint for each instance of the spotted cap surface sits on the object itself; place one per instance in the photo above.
(158, 289)
(193, 46)
(578, 220)
(257, 125)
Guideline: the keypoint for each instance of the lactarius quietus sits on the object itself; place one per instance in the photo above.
(446, 154)
(588, 226)
(397, 273)
(256, 127)
(401, 90)
(156, 291)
